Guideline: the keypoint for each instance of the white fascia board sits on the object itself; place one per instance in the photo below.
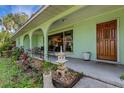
(46, 6)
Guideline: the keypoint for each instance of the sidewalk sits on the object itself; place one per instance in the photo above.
(86, 82)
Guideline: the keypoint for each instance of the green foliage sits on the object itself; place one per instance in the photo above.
(16, 54)
(23, 82)
(13, 77)
(4, 46)
(122, 76)
(47, 66)
(20, 18)
(14, 21)
(5, 36)
(5, 42)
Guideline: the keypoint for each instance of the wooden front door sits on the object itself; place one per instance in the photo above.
(107, 40)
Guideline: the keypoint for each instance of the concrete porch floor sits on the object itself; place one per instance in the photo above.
(108, 73)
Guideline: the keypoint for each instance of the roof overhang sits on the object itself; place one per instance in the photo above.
(43, 15)
(51, 11)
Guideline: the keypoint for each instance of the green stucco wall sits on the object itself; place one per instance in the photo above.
(84, 35)
(37, 41)
(18, 42)
(26, 42)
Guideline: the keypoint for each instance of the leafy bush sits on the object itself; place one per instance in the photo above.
(47, 66)
(4, 46)
(15, 54)
(5, 49)
(16, 78)
(24, 82)
(5, 42)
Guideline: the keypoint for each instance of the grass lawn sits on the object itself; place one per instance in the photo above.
(21, 79)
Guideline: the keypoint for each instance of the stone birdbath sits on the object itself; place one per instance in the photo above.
(64, 77)
(62, 69)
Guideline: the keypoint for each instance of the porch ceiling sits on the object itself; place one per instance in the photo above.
(84, 14)
(53, 10)
(94, 10)
(47, 13)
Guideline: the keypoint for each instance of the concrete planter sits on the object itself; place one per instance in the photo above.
(58, 84)
(47, 80)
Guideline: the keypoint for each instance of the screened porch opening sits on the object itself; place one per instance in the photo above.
(37, 43)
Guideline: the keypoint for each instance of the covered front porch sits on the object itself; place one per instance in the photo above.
(76, 36)
(77, 30)
(100, 71)
(108, 73)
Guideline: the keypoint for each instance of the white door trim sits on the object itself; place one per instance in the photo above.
(118, 40)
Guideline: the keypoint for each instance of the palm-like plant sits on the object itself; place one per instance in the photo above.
(5, 36)
(8, 22)
(13, 21)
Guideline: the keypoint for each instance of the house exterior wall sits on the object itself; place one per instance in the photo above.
(26, 42)
(84, 34)
(22, 39)
(37, 41)
(34, 41)
(40, 41)
(18, 42)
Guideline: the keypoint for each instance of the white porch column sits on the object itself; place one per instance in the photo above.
(45, 44)
(30, 36)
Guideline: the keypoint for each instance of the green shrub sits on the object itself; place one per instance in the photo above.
(47, 66)
(15, 54)
(4, 49)
(122, 76)
(20, 79)
(4, 46)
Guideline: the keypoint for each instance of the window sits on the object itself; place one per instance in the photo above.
(68, 41)
(55, 41)
(64, 39)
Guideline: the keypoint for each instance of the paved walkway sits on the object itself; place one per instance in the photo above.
(86, 82)
(108, 73)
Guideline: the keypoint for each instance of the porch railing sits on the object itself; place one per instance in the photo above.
(39, 53)
(35, 53)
